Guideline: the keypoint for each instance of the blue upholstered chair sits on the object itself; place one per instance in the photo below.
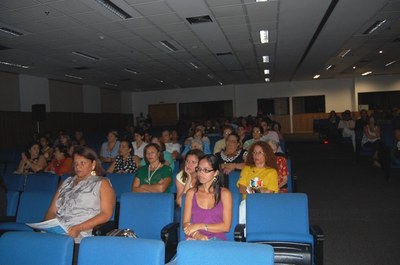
(36, 248)
(14, 182)
(12, 202)
(121, 182)
(151, 216)
(281, 220)
(47, 182)
(223, 252)
(120, 250)
(233, 179)
(32, 208)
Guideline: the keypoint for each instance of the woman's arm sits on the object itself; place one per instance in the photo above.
(161, 186)
(41, 164)
(136, 186)
(182, 189)
(111, 167)
(187, 212)
(22, 163)
(107, 204)
(51, 212)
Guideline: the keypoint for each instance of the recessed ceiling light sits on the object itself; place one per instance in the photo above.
(264, 36)
(220, 83)
(168, 46)
(258, 1)
(380, 51)
(375, 26)
(330, 67)
(73, 76)
(366, 73)
(354, 67)
(266, 71)
(10, 31)
(131, 71)
(195, 66)
(211, 76)
(265, 59)
(267, 79)
(15, 65)
(110, 84)
(390, 63)
(113, 8)
(158, 80)
(344, 53)
(316, 76)
(85, 55)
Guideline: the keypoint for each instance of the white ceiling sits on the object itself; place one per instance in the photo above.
(305, 36)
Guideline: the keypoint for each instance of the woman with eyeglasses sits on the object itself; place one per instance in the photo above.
(257, 133)
(259, 174)
(154, 176)
(208, 206)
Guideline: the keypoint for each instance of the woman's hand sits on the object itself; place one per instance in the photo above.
(190, 229)
(228, 168)
(198, 236)
(74, 231)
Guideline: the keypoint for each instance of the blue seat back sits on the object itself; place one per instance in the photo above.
(33, 206)
(36, 248)
(222, 252)
(14, 182)
(290, 176)
(233, 179)
(146, 213)
(236, 199)
(120, 250)
(12, 202)
(121, 182)
(47, 182)
(284, 213)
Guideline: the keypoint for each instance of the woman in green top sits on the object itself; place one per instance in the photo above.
(154, 176)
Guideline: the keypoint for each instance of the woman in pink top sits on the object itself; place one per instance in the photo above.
(208, 205)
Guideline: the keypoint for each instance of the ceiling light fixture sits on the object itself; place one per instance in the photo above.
(15, 65)
(113, 8)
(211, 76)
(344, 52)
(267, 79)
(374, 26)
(259, 1)
(131, 71)
(330, 67)
(168, 45)
(85, 55)
(354, 67)
(194, 65)
(380, 51)
(110, 84)
(74, 76)
(390, 63)
(316, 76)
(366, 73)
(10, 31)
(220, 83)
(264, 36)
(266, 72)
(265, 59)
(158, 80)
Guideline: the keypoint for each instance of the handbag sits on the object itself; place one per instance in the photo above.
(122, 232)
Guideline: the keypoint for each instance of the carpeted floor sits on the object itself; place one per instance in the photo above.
(358, 209)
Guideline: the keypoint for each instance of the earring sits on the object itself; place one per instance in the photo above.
(93, 172)
(214, 179)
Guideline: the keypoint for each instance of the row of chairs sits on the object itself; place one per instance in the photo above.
(38, 249)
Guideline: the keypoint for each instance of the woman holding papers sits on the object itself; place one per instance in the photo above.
(85, 199)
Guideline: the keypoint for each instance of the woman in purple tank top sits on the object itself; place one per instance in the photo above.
(208, 205)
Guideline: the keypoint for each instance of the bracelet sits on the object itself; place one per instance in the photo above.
(205, 227)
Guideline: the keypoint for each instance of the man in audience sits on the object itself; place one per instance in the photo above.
(173, 148)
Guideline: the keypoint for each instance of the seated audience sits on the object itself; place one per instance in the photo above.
(220, 144)
(231, 158)
(124, 162)
(257, 133)
(62, 162)
(276, 127)
(139, 144)
(187, 178)
(32, 160)
(347, 125)
(197, 142)
(243, 135)
(173, 148)
(3, 197)
(361, 121)
(45, 148)
(259, 174)
(396, 149)
(109, 150)
(78, 138)
(208, 206)
(154, 176)
(174, 137)
(85, 199)
(269, 134)
(168, 160)
(372, 138)
(65, 140)
(282, 168)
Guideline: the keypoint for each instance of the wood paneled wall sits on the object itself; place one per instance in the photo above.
(18, 127)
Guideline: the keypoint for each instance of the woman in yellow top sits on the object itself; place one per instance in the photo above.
(258, 175)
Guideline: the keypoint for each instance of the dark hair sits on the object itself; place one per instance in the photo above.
(90, 154)
(235, 135)
(156, 146)
(195, 152)
(139, 131)
(260, 128)
(217, 183)
(28, 148)
(63, 149)
(129, 144)
(114, 132)
(270, 160)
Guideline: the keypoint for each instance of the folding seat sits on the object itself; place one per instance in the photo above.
(121, 182)
(12, 202)
(233, 178)
(36, 248)
(14, 182)
(193, 252)
(281, 220)
(101, 250)
(46, 182)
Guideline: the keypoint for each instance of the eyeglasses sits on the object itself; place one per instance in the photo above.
(205, 170)
(257, 131)
(258, 153)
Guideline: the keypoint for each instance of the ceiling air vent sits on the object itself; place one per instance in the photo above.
(199, 19)
(223, 53)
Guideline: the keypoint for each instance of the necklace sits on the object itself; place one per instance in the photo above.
(150, 175)
(229, 159)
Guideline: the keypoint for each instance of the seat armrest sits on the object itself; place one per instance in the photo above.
(239, 233)
(103, 229)
(319, 238)
(169, 235)
(8, 219)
